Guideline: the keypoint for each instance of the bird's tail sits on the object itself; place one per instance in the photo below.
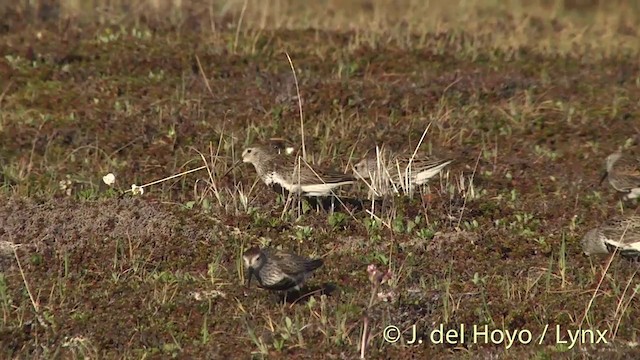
(314, 264)
(629, 254)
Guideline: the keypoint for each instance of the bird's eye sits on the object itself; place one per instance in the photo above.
(248, 151)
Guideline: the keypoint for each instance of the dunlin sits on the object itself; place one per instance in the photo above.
(623, 173)
(621, 233)
(295, 177)
(278, 270)
(388, 171)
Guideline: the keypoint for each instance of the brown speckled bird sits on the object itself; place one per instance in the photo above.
(274, 168)
(389, 172)
(623, 173)
(621, 233)
(278, 270)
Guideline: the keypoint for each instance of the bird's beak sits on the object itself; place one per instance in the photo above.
(250, 276)
(604, 176)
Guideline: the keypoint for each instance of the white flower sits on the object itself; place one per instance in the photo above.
(207, 295)
(137, 190)
(388, 296)
(288, 150)
(109, 179)
(64, 184)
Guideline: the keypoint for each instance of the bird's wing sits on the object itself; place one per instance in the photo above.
(422, 168)
(311, 265)
(331, 176)
(285, 283)
(622, 231)
(419, 163)
(628, 166)
(293, 264)
(288, 263)
(317, 174)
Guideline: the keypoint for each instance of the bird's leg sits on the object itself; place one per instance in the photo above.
(279, 297)
(299, 200)
(318, 202)
(333, 203)
(603, 177)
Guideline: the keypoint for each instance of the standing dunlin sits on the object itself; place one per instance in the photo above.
(295, 177)
(621, 233)
(278, 270)
(623, 173)
(390, 172)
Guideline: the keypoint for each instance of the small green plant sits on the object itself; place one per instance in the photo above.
(545, 152)
(5, 299)
(425, 233)
(204, 332)
(263, 348)
(471, 225)
(274, 222)
(482, 312)
(397, 225)
(304, 232)
(214, 269)
(337, 219)
(372, 225)
(89, 193)
(108, 36)
(448, 303)
(379, 257)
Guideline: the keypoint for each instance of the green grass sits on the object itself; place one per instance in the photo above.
(528, 99)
